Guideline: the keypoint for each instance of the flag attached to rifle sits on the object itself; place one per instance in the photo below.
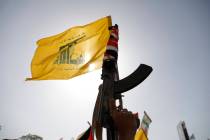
(76, 51)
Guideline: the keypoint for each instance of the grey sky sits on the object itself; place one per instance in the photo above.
(171, 36)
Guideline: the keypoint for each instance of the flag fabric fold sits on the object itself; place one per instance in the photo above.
(73, 52)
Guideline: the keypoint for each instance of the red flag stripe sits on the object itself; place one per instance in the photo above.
(112, 43)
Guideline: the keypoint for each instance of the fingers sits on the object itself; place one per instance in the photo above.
(116, 112)
(124, 110)
(112, 106)
(136, 115)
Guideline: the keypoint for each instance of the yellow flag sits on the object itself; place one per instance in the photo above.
(140, 135)
(76, 51)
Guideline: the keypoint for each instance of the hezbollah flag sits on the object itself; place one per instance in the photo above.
(73, 52)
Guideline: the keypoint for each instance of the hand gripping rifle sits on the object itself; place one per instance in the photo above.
(112, 88)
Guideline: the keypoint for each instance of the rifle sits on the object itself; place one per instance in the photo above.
(112, 88)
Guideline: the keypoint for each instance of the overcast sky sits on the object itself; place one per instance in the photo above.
(171, 36)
